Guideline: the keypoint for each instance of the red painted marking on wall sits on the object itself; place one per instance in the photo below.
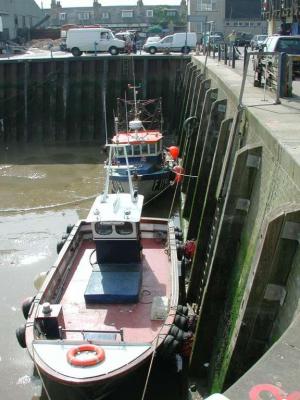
(277, 393)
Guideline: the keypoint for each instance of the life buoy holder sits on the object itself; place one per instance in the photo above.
(94, 359)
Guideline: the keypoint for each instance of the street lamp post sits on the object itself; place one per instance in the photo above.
(208, 44)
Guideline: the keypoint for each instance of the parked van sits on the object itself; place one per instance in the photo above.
(182, 42)
(93, 39)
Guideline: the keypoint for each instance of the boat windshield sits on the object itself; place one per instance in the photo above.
(103, 229)
(124, 229)
(143, 149)
(152, 148)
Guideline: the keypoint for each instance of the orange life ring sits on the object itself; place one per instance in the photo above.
(98, 357)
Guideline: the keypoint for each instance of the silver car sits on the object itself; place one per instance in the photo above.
(257, 41)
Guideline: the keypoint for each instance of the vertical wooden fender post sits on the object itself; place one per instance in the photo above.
(217, 115)
(206, 222)
(221, 260)
(192, 165)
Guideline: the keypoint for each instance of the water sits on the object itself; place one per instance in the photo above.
(42, 190)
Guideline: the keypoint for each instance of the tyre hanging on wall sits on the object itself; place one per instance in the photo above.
(26, 306)
(20, 334)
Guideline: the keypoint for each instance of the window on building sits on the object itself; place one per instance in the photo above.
(83, 16)
(149, 13)
(62, 16)
(105, 15)
(206, 5)
(171, 13)
(127, 14)
(23, 21)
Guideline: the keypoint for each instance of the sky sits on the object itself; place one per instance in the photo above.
(89, 3)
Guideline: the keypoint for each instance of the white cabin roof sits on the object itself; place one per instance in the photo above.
(116, 208)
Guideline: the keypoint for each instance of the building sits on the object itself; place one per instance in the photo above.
(116, 17)
(17, 17)
(282, 15)
(225, 15)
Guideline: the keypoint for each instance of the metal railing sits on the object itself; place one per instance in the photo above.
(267, 68)
(62, 331)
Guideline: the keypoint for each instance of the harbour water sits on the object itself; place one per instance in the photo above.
(42, 190)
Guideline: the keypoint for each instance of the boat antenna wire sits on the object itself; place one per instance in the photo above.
(126, 114)
(134, 90)
(105, 118)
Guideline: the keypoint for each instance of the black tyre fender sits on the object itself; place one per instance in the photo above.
(177, 333)
(114, 51)
(69, 228)
(182, 310)
(179, 235)
(20, 334)
(59, 246)
(182, 322)
(26, 305)
(76, 52)
(180, 251)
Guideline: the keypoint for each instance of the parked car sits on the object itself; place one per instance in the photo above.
(257, 41)
(285, 44)
(243, 39)
(152, 39)
(213, 39)
(182, 42)
(93, 39)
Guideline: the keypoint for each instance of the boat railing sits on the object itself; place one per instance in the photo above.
(62, 331)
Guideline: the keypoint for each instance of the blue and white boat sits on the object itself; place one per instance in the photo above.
(151, 165)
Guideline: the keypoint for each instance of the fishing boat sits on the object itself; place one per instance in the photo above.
(109, 302)
(152, 165)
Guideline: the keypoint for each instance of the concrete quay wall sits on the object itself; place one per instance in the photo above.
(244, 210)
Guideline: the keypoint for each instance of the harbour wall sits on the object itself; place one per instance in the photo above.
(241, 202)
(71, 100)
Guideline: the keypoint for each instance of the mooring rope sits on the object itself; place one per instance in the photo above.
(150, 367)
(47, 207)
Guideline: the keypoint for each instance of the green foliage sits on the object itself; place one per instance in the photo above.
(161, 17)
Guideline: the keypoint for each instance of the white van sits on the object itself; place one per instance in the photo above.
(183, 42)
(93, 39)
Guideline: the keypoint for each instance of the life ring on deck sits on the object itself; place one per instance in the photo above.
(96, 358)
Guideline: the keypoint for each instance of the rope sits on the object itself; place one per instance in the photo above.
(150, 368)
(13, 210)
(40, 375)
(173, 200)
(158, 194)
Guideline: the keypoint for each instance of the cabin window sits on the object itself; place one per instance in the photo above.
(144, 148)
(136, 150)
(124, 229)
(120, 151)
(152, 148)
(129, 150)
(103, 229)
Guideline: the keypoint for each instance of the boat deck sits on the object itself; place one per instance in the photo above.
(134, 319)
